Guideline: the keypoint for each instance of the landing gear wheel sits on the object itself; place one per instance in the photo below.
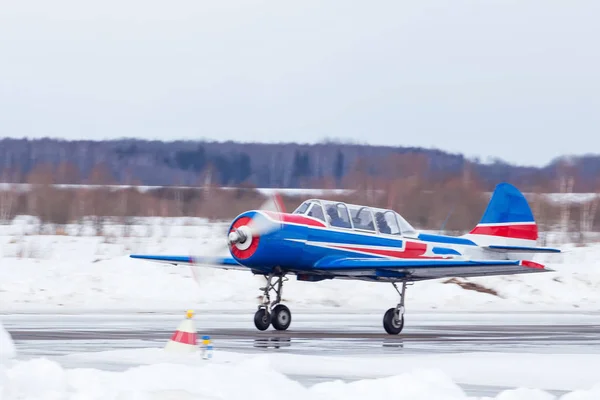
(281, 317)
(262, 320)
(393, 323)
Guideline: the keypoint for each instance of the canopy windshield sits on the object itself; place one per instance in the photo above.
(356, 217)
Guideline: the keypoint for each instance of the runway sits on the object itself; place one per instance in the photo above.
(317, 333)
(334, 334)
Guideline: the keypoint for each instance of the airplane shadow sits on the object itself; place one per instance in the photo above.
(393, 344)
(279, 342)
(272, 342)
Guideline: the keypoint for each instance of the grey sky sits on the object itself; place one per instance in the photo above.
(514, 79)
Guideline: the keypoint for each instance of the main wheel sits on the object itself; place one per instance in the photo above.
(391, 323)
(281, 317)
(261, 319)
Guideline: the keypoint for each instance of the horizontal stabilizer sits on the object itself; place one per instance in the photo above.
(521, 249)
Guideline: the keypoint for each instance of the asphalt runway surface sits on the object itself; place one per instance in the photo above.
(55, 335)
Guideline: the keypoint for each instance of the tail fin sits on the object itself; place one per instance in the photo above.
(508, 219)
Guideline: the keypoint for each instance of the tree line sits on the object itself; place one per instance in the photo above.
(273, 165)
(455, 205)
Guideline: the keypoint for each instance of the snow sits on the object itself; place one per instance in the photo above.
(7, 346)
(80, 271)
(77, 271)
(495, 369)
(234, 377)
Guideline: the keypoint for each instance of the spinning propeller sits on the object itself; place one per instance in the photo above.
(258, 226)
(241, 236)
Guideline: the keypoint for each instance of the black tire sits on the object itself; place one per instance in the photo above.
(281, 317)
(262, 320)
(390, 324)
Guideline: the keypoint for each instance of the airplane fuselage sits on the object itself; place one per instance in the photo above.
(300, 242)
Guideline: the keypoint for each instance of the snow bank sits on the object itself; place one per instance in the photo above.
(42, 378)
(60, 272)
(592, 394)
(568, 372)
(7, 346)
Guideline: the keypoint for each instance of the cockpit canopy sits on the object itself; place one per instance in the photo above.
(359, 218)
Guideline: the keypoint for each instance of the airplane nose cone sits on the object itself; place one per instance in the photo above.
(243, 244)
(234, 237)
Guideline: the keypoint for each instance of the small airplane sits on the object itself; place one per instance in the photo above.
(325, 239)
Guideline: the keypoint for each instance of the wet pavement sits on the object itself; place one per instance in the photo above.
(55, 335)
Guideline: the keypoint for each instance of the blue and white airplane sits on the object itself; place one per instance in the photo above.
(325, 239)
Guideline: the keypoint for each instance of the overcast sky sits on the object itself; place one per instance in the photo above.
(514, 79)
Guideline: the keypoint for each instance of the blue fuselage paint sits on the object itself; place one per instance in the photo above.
(299, 247)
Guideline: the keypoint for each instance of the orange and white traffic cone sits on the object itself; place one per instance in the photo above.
(185, 338)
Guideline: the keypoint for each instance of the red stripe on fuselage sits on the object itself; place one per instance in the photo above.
(529, 232)
(295, 219)
(411, 250)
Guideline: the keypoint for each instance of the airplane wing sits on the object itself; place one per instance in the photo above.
(214, 262)
(421, 269)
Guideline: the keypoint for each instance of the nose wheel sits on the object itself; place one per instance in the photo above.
(393, 319)
(273, 313)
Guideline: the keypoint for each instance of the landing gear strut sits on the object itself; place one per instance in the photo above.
(393, 319)
(272, 312)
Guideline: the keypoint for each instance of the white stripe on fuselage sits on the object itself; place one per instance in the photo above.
(506, 223)
(342, 247)
(355, 248)
(487, 240)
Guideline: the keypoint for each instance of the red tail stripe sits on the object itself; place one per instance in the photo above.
(185, 337)
(529, 232)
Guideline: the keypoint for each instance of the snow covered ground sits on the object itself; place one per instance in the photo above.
(77, 270)
(161, 375)
(7, 346)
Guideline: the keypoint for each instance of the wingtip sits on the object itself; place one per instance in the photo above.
(535, 265)
(532, 264)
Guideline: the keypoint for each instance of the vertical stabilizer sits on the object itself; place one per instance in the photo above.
(507, 220)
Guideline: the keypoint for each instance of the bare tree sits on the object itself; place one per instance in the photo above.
(566, 188)
(67, 173)
(588, 214)
(127, 203)
(8, 198)
(39, 197)
(99, 202)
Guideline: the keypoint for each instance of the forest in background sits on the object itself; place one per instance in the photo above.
(272, 165)
(431, 189)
